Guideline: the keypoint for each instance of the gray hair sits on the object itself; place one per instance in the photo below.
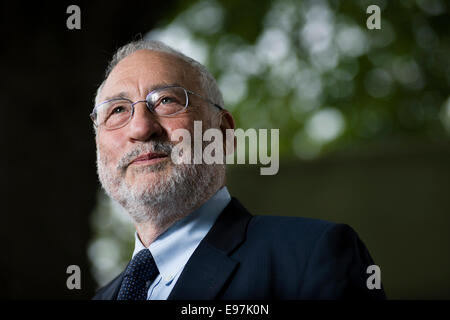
(207, 81)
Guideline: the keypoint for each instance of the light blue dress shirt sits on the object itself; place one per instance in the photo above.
(173, 248)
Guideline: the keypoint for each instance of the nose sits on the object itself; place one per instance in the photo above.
(143, 126)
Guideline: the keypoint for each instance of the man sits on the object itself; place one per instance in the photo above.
(192, 240)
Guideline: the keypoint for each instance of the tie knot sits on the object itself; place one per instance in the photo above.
(142, 266)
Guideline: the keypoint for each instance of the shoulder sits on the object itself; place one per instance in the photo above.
(306, 228)
(267, 220)
(298, 234)
(328, 259)
(269, 228)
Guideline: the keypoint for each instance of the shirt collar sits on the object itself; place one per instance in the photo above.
(173, 248)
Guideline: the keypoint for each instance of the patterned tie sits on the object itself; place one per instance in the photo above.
(140, 273)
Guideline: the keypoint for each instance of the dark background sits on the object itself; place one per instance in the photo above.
(392, 187)
(50, 75)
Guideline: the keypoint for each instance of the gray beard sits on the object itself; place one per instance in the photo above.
(165, 199)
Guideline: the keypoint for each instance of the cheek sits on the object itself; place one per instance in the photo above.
(109, 148)
(178, 123)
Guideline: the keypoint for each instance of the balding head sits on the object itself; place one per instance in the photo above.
(208, 83)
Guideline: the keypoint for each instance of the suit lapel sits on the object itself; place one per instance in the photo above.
(111, 290)
(210, 266)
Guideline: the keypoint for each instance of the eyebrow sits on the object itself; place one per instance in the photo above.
(121, 95)
(124, 95)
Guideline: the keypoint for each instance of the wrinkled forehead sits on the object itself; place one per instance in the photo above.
(145, 70)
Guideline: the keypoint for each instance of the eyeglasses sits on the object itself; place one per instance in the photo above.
(165, 102)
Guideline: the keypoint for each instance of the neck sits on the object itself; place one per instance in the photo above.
(151, 229)
(147, 233)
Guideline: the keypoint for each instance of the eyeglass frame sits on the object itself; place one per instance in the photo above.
(94, 111)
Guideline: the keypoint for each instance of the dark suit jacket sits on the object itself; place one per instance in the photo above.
(265, 257)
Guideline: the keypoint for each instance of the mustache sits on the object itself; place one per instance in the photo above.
(154, 146)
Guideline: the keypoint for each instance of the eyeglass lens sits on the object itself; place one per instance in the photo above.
(164, 102)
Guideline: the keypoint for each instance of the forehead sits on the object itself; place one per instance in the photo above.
(144, 70)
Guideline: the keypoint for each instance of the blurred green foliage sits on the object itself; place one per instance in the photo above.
(315, 71)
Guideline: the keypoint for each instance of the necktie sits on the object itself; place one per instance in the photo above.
(141, 272)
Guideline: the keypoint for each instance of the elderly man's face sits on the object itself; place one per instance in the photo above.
(134, 77)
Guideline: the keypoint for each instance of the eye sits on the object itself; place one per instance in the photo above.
(118, 109)
(167, 100)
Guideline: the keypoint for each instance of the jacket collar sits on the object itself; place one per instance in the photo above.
(210, 266)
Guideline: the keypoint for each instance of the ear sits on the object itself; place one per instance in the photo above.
(226, 121)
